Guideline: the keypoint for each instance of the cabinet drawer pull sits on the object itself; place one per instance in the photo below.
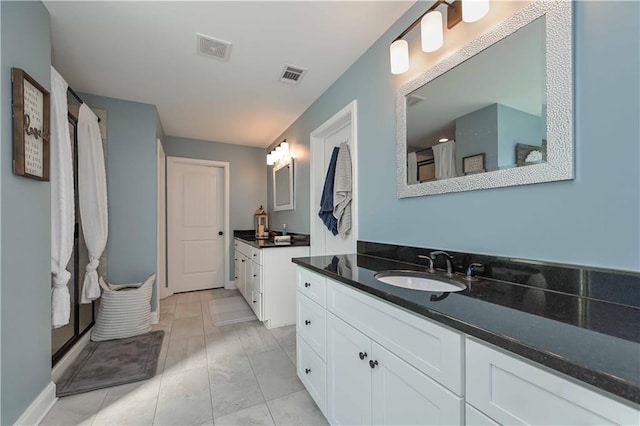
(242, 260)
(254, 301)
(307, 370)
(307, 285)
(254, 255)
(307, 322)
(254, 275)
(362, 355)
(373, 363)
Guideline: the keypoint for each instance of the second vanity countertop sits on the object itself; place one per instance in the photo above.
(297, 240)
(600, 346)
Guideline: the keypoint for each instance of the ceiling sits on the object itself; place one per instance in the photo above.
(146, 52)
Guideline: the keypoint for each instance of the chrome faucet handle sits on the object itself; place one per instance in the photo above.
(431, 268)
(471, 271)
(447, 257)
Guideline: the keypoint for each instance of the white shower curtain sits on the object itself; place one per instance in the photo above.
(444, 156)
(92, 191)
(62, 203)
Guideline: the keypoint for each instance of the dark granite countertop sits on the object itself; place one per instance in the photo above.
(297, 240)
(598, 343)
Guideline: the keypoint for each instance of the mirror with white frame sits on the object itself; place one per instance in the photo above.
(283, 186)
(496, 113)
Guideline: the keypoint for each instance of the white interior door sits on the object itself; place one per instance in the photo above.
(162, 223)
(196, 223)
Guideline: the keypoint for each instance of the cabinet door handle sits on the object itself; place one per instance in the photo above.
(307, 284)
(254, 301)
(307, 322)
(254, 275)
(254, 255)
(307, 370)
(362, 355)
(373, 363)
(242, 260)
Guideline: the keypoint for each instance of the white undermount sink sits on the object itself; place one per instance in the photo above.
(417, 280)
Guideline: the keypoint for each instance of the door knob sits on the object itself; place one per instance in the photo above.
(373, 363)
(362, 355)
(220, 232)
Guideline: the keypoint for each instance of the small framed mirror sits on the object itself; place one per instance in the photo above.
(497, 112)
(283, 186)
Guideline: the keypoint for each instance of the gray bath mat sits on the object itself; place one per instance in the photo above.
(111, 363)
(230, 310)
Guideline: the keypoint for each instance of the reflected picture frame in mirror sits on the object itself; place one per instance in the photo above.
(557, 147)
(283, 189)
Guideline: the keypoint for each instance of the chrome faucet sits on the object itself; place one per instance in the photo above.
(431, 268)
(471, 271)
(447, 257)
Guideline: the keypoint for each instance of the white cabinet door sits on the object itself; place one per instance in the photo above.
(242, 275)
(348, 374)
(402, 395)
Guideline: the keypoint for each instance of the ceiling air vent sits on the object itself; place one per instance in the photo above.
(292, 74)
(213, 47)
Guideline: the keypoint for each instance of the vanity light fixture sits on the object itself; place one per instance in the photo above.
(431, 28)
(278, 154)
(443, 140)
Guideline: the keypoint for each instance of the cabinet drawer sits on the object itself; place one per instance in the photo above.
(312, 371)
(312, 285)
(255, 255)
(255, 276)
(474, 417)
(431, 348)
(515, 391)
(242, 248)
(311, 324)
(256, 302)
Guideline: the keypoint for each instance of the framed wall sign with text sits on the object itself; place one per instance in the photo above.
(31, 126)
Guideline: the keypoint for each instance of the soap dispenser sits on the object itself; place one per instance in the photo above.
(284, 229)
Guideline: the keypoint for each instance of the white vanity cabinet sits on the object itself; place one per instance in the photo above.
(512, 390)
(365, 381)
(366, 361)
(266, 279)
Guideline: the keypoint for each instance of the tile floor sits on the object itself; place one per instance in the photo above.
(240, 374)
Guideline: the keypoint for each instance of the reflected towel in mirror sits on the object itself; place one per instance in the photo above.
(444, 155)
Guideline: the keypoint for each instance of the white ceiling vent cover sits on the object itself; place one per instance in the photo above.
(292, 74)
(213, 47)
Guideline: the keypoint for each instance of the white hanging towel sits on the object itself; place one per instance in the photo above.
(92, 192)
(342, 190)
(412, 168)
(62, 203)
(444, 156)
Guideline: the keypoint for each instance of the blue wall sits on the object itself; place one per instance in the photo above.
(248, 187)
(26, 226)
(131, 188)
(514, 127)
(568, 222)
(477, 133)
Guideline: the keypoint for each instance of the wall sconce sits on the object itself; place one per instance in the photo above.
(278, 154)
(431, 29)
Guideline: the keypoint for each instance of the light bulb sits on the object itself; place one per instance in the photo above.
(399, 54)
(431, 31)
(285, 148)
(270, 161)
(474, 10)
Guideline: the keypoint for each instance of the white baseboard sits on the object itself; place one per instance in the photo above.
(155, 317)
(69, 357)
(39, 408)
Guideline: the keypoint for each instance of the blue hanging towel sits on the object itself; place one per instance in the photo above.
(326, 202)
